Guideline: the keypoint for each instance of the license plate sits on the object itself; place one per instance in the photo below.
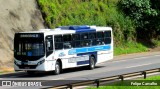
(26, 67)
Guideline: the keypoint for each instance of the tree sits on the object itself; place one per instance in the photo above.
(144, 13)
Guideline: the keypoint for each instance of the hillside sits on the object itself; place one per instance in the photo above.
(135, 23)
(16, 16)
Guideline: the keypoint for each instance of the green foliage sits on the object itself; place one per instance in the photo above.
(138, 10)
(145, 14)
(129, 47)
(125, 17)
(155, 42)
(88, 12)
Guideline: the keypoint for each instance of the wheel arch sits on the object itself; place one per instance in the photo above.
(95, 57)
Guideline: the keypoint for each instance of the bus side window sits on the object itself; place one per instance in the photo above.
(58, 38)
(92, 37)
(107, 37)
(84, 36)
(107, 40)
(100, 38)
(107, 34)
(58, 46)
(76, 40)
(75, 37)
(58, 42)
(67, 41)
(85, 41)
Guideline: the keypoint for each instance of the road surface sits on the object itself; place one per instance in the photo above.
(119, 65)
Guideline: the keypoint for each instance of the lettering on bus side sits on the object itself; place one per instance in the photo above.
(61, 54)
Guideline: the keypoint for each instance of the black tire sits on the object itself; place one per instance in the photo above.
(91, 63)
(57, 68)
(30, 72)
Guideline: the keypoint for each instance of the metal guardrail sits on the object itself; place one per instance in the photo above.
(106, 79)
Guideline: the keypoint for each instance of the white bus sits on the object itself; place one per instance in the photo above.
(61, 48)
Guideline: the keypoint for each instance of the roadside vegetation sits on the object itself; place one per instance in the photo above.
(129, 47)
(116, 85)
(4, 70)
(135, 23)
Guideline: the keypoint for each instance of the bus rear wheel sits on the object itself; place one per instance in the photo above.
(91, 63)
(57, 68)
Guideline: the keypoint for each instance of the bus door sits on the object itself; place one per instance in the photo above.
(49, 46)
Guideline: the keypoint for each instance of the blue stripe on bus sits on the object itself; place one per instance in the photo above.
(83, 62)
(89, 49)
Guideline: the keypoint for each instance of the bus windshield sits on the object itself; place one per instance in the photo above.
(29, 48)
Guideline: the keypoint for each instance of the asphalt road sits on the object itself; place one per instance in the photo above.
(117, 66)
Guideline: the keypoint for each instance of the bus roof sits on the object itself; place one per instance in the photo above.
(70, 30)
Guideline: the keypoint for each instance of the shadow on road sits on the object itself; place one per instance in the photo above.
(44, 74)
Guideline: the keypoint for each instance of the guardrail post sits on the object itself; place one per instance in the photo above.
(70, 86)
(121, 77)
(145, 74)
(97, 82)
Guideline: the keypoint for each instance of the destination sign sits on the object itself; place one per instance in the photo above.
(29, 35)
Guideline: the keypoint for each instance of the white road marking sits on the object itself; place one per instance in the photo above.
(57, 78)
(138, 65)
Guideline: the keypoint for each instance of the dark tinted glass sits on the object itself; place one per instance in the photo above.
(76, 37)
(107, 34)
(92, 35)
(58, 46)
(58, 38)
(84, 36)
(100, 35)
(107, 40)
(66, 38)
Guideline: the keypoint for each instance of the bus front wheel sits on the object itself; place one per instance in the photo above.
(57, 68)
(91, 63)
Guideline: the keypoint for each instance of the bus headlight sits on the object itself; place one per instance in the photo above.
(40, 62)
(17, 62)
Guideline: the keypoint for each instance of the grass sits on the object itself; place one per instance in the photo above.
(153, 78)
(130, 87)
(129, 47)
